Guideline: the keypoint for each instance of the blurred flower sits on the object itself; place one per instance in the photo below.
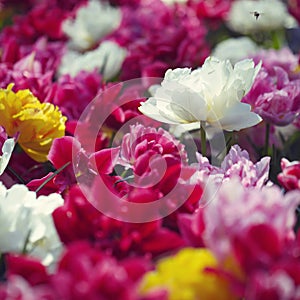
(237, 163)
(106, 59)
(275, 98)
(184, 276)
(82, 89)
(27, 225)
(38, 123)
(241, 17)
(79, 220)
(151, 49)
(251, 226)
(92, 22)
(211, 93)
(294, 8)
(289, 178)
(235, 49)
(214, 10)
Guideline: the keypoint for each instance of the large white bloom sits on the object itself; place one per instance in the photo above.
(273, 14)
(107, 58)
(235, 49)
(26, 223)
(92, 22)
(211, 93)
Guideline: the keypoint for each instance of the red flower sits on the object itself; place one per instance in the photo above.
(290, 176)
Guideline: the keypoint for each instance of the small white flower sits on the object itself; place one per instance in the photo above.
(7, 150)
(235, 49)
(211, 93)
(26, 223)
(107, 58)
(93, 22)
(243, 18)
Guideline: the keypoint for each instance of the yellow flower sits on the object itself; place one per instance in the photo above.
(38, 123)
(185, 278)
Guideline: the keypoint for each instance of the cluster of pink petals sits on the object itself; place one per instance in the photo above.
(275, 98)
(83, 272)
(237, 163)
(289, 178)
(175, 39)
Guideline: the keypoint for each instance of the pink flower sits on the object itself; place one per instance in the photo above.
(43, 20)
(275, 98)
(83, 272)
(289, 178)
(79, 220)
(283, 58)
(144, 144)
(72, 95)
(151, 50)
(216, 9)
(252, 226)
(237, 163)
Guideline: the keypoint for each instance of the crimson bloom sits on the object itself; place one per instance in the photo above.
(289, 178)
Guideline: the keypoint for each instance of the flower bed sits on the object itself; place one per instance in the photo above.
(149, 150)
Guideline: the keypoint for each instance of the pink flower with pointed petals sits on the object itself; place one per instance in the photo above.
(289, 178)
(237, 163)
(252, 226)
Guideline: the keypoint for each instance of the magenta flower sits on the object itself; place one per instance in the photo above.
(151, 50)
(289, 178)
(83, 272)
(275, 98)
(252, 226)
(79, 220)
(283, 58)
(72, 95)
(144, 144)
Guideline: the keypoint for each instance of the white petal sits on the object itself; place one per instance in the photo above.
(238, 117)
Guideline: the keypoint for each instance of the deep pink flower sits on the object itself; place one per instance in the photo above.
(275, 98)
(294, 8)
(251, 225)
(43, 20)
(66, 153)
(216, 9)
(72, 95)
(83, 272)
(281, 281)
(289, 178)
(175, 39)
(79, 220)
(144, 144)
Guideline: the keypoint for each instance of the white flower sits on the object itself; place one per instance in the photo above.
(171, 2)
(235, 49)
(243, 18)
(92, 22)
(7, 150)
(107, 58)
(26, 223)
(211, 94)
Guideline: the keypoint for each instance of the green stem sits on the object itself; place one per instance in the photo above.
(203, 138)
(267, 138)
